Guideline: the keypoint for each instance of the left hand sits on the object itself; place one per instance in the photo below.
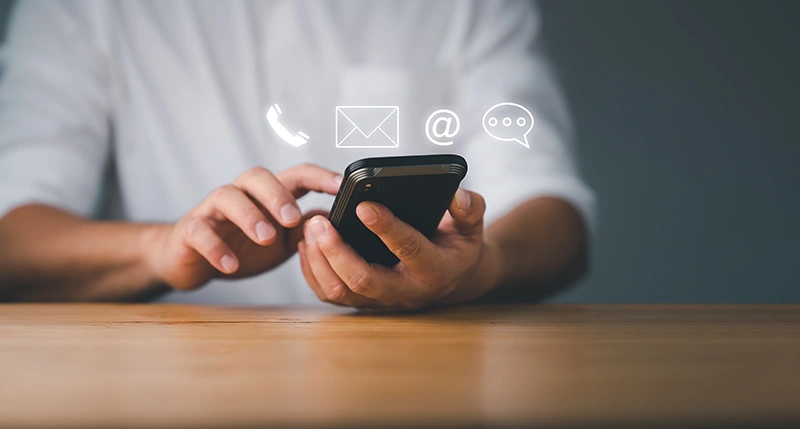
(453, 267)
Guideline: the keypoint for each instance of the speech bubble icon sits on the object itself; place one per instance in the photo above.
(508, 122)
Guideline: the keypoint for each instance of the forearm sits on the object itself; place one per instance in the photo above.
(49, 255)
(536, 249)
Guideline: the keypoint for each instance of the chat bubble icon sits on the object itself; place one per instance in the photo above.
(508, 122)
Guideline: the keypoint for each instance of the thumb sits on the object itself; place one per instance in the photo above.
(402, 239)
(296, 234)
(467, 209)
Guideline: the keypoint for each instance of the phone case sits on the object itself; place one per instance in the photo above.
(417, 189)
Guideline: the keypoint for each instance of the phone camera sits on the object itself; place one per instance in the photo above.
(369, 187)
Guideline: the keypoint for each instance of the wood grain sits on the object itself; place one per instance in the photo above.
(549, 365)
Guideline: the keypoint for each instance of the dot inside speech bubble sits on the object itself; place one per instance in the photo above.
(508, 122)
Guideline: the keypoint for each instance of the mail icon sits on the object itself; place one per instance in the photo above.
(367, 127)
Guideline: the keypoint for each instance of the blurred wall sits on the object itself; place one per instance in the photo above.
(5, 5)
(689, 129)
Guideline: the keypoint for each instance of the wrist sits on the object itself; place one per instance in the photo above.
(152, 240)
(493, 267)
(486, 277)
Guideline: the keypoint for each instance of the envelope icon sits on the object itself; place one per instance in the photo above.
(367, 127)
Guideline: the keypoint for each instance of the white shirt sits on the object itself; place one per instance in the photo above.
(173, 95)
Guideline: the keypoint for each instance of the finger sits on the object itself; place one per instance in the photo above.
(234, 205)
(265, 188)
(333, 287)
(294, 235)
(307, 273)
(467, 209)
(200, 236)
(304, 178)
(371, 281)
(408, 244)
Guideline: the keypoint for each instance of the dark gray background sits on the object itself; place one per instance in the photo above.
(689, 131)
(687, 115)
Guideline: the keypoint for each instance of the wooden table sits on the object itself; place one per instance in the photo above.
(549, 365)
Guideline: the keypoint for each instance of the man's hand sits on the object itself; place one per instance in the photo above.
(240, 229)
(456, 266)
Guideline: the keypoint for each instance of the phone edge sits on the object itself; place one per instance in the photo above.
(457, 165)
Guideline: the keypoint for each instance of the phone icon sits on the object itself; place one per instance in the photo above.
(296, 140)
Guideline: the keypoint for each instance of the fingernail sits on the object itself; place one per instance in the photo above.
(228, 263)
(316, 229)
(290, 213)
(264, 231)
(367, 214)
(338, 180)
(463, 200)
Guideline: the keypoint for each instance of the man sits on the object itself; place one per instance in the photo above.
(170, 97)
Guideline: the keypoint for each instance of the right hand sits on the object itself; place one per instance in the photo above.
(241, 229)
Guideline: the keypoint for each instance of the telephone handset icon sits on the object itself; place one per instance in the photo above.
(296, 140)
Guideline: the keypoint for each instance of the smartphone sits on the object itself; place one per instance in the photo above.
(417, 189)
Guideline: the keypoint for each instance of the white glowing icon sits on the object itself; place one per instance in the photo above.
(295, 140)
(441, 126)
(367, 127)
(509, 122)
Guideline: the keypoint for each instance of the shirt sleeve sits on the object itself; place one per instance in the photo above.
(503, 60)
(54, 111)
